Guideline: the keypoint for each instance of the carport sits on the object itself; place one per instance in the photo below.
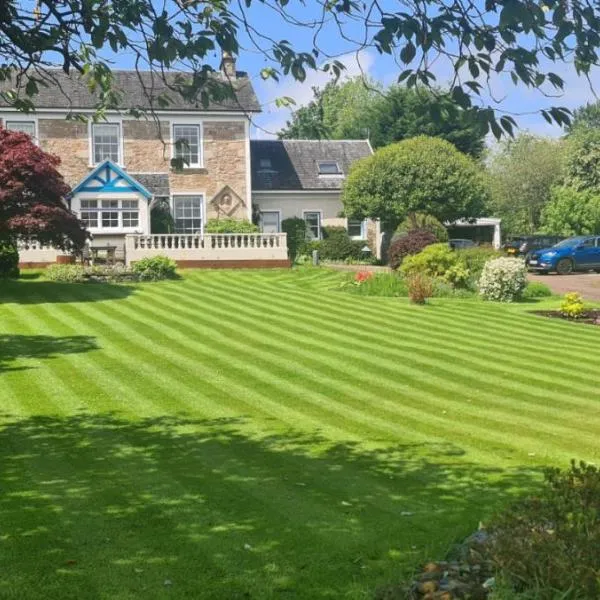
(483, 231)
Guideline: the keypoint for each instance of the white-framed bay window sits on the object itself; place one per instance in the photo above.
(357, 229)
(106, 143)
(313, 224)
(270, 221)
(110, 214)
(187, 144)
(24, 126)
(188, 212)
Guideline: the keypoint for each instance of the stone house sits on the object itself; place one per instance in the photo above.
(121, 167)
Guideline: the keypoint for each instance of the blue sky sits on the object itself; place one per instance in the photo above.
(517, 100)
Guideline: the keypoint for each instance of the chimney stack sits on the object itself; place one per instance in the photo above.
(228, 65)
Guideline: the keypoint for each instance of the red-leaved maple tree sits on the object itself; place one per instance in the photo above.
(32, 196)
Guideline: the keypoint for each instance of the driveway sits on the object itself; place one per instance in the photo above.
(587, 284)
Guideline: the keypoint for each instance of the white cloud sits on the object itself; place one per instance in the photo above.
(273, 118)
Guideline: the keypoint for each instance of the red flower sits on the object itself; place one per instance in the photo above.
(362, 276)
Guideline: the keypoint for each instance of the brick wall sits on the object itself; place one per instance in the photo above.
(224, 146)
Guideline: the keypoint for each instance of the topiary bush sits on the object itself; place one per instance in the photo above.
(295, 229)
(410, 243)
(9, 261)
(155, 268)
(65, 273)
(433, 261)
(230, 226)
(337, 245)
(503, 279)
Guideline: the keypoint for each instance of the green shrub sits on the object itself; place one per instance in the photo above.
(537, 289)
(433, 261)
(155, 268)
(420, 287)
(65, 273)
(337, 245)
(230, 226)
(376, 284)
(474, 260)
(547, 547)
(572, 305)
(9, 261)
(408, 244)
(295, 229)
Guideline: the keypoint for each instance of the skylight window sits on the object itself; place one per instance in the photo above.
(329, 167)
(265, 163)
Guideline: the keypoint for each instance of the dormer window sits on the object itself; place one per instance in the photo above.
(265, 163)
(329, 167)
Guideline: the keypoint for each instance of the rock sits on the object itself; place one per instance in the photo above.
(443, 596)
(432, 567)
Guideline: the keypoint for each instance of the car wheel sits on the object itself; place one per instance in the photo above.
(564, 266)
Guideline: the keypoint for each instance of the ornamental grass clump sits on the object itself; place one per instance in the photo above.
(503, 279)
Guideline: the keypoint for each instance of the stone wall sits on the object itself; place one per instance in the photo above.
(224, 147)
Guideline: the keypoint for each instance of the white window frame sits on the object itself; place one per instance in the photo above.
(200, 126)
(33, 122)
(315, 212)
(91, 124)
(120, 210)
(277, 212)
(265, 164)
(202, 209)
(363, 229)
(331, 162)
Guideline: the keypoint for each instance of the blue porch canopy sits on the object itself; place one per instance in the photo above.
(109, 178)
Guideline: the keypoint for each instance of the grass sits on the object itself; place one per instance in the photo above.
(264, 435)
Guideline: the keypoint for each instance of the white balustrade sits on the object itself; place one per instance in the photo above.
(208, 247)
(34, 252)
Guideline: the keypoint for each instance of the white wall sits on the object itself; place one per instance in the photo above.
(293, 204)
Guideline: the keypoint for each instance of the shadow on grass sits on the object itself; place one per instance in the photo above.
(13, 347)
(43, 292)
(101, 507)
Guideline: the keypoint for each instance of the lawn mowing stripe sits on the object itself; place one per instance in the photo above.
(87, 313)
(529, 423)
(244, 394)
(307, 341)
(427, 316)
(127, 334)
(501, 380)
(52, 392)
(373, 397)
(444, 304)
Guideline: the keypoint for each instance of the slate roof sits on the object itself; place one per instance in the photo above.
(156, 183)
(71, 92)
(294, 163)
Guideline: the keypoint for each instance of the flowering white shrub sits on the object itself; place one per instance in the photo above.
(503, 279)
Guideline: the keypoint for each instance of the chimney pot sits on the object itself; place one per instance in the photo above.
(228, 65)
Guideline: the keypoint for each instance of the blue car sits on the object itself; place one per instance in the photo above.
(581, 253)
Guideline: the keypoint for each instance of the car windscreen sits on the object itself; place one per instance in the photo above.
(569, 242)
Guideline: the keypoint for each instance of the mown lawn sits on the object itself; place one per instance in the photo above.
(258, 435)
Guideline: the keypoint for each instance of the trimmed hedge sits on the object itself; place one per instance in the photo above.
(230, 226)
(295, 229)
(337, 245)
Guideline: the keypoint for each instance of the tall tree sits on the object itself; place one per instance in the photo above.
(523, 172)
(404, 113)
(338, 111)
(32, 196)
(354, 109)
(419, 175)
(582, 168)
(527, 40)
(586, 117)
